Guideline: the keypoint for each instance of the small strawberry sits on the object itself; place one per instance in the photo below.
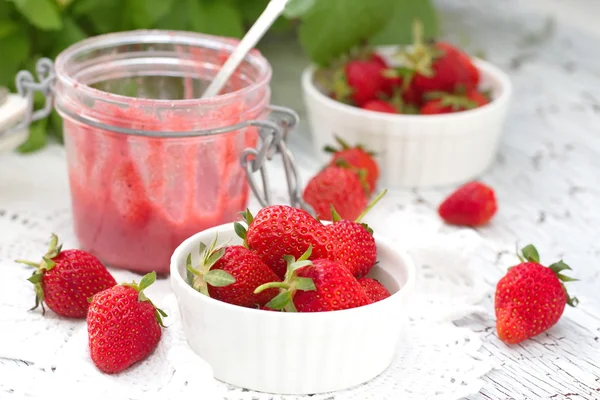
(444, 103)
(361, 80)
(65, 279)
(124, 327)
(354, 245)
(374, 289)
(530, 298)
(380, 106)
(281, 230)
(313, 286)
(230, 274)
(358, 157)
(340, 186)
(472, 204)
(438, 66)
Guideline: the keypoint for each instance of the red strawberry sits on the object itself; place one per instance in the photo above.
(439, 66)
(318, 285)
(444, 103)
(360, 81)
(358, 157)
(472, 204)
(340, 187)
(64, 280)
(380, 106)
(374, 289)
(230, 274)
(282, 230)
(530, 298)
(124, 327)
(354, 245)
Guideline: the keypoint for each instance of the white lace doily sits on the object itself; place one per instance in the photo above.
(47, 356)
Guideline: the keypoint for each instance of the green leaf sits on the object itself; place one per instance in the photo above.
(42, 14)
(37, 137)
(280, 301)
(177, 19)
(14, 49)
(306, 254)
(85, 7)
(70, 33)
(240, 230)
(559, 266)
(147, 280)
(297, 8)
(332, 27)
(305, 284)
(35, 278)
(530, 253)
(565, 278)
(398, 29)
(214, 257)
(145, 13)
(104, 19)
(216, 18)
(7, 28)
(219, 278)
(301, 264)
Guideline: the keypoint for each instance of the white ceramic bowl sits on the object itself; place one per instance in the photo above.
(12, 111)
(295, 353)
(415, 150)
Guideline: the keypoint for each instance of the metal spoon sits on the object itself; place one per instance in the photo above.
(273, 10)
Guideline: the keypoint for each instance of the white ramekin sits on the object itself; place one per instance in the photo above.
(12, 111)
(415, 150)
(294, 353)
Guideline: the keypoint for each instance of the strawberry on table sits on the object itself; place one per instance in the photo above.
(358, 157)
(341, 186)
(472, 204)
(65, 279)
(230, 274)
(530, 298)
(374, 289)
(281, 230)
(354, 245)
(314, 286)
(124, 327)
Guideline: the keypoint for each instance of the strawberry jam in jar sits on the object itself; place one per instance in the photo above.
(150, 163)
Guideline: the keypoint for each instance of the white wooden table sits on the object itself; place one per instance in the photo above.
(547, 178)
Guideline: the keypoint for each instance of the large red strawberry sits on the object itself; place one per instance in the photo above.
(472, 204)
(65, 279)
(230, 274)
(318, 285)
(438, 66)
(339, 186)
(530, 298)
(374, 289)
(354, 245)
(281, 230)
(124, 327)
(360, 80)
(358, 157)
(445, 103)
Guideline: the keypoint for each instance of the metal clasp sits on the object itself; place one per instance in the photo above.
(27, 87)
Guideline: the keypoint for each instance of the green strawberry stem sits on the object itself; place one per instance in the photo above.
(345, 146)
(292, 283)
(240, 229)
(530, 254)
(202, 276)
(147, 281)
(46, 264)
(370, 206)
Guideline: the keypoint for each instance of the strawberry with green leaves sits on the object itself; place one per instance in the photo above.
(65, 279)
(530, 298)
(358, 157)
(445, 103)
(315, 286)
(230, 274)
(281, 230)
(124, 326)
(354, 245)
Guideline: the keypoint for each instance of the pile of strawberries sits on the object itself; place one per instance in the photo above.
(433, 78)
(291, 262)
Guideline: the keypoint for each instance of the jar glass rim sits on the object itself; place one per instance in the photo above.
(158, 36)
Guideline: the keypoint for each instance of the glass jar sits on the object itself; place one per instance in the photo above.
(149, 162)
